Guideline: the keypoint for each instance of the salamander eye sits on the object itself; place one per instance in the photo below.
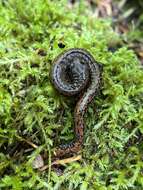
(71, 65)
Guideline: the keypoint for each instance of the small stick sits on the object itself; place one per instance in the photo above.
(63, 161)
(28, 142)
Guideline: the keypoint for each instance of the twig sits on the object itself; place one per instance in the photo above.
(61, 162)
(27, 141)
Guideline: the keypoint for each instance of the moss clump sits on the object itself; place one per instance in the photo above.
(31, 109)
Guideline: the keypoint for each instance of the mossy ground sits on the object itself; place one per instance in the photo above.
(31, 109)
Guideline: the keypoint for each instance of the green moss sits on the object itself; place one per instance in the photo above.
(30, 108)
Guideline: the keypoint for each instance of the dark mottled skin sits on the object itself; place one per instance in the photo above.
(76, 72)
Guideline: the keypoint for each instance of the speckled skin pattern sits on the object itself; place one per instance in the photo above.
(76, 72)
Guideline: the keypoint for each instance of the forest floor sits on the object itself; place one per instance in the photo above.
(35, 118)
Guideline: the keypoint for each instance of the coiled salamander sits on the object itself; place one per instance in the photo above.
(76, 72)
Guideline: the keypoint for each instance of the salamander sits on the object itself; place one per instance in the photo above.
(74, 72)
